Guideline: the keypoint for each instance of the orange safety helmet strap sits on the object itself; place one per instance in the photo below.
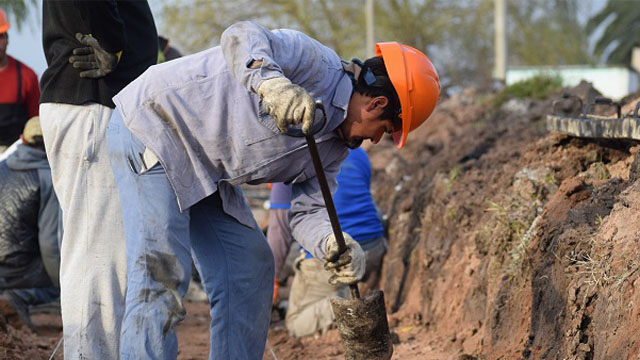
(416, 82)
(4, 22)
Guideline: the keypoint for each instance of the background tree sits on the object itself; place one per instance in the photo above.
(546, 32)
(622, 32)
(18, 10)
(331, 22)
(456, 34)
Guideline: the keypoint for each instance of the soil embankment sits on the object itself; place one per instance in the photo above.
(506, 242)
(510, 242)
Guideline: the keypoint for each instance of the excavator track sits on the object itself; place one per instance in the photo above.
(595, 126)
(591, 127)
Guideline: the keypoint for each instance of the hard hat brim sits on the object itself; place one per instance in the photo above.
(392, 54)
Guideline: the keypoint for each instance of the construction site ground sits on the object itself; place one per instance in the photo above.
(505, 242)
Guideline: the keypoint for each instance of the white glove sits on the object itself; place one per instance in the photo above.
(348, 268)
(288, 103)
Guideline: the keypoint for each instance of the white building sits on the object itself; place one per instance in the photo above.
(612, 82)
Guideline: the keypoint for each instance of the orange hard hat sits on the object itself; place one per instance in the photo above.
(4, 22)
(416, 82)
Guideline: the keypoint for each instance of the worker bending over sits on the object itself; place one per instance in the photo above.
(187, 133)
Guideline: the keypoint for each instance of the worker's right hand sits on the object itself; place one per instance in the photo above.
(347, 268)
(288, 103)
(93, 61)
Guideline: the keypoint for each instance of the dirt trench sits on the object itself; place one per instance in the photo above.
(508, 242)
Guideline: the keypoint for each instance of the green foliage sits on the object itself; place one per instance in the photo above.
(622, 32)
(454, 173)
(198, 25)
(546, 32)
(537, 87)
(456, 34)
(17, 10)
(509, 236)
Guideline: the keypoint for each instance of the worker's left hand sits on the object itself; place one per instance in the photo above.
(93, 61)
(347, 268)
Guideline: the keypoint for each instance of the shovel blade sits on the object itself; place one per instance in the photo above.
(363, 327)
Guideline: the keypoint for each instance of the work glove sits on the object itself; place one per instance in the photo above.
(93, 61)
(347, 268)
(288, 103)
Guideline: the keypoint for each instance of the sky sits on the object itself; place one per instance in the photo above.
(26, 44)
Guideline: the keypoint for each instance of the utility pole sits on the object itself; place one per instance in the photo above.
(635, 59)
(500, 41)
(368, 13)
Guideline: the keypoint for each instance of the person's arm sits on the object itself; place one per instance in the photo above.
(254, 54)
(279, 236)
(308, 217)
(33, 92)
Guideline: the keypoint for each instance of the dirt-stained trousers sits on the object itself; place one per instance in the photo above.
(235, 262)
(92, 253)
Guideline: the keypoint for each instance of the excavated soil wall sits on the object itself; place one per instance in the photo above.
(507, 242)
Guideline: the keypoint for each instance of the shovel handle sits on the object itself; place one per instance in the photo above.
(296, 131)
(328, 201)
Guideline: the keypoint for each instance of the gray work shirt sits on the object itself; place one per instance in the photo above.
(202, 118)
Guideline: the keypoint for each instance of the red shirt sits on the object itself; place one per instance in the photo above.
(9, 86)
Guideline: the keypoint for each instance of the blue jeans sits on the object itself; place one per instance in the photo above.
(235, 263)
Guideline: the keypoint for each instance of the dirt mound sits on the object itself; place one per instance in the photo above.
(16, 341)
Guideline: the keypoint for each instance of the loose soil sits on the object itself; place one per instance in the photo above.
(506, 242)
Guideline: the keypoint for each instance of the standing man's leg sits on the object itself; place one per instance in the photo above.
(236, 266)
(158, 250)
(93, 262)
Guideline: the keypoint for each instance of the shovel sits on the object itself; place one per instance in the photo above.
(362, 322)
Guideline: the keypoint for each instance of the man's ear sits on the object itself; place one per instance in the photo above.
(377, 103)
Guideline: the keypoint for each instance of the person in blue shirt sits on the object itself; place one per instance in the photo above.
(309, 309)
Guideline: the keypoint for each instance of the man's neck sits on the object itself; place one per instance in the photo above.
(4, 62)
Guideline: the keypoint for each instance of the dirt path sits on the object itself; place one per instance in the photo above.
(193, 338)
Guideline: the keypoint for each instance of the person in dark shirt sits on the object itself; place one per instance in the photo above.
(166, 52)
(93, 49)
